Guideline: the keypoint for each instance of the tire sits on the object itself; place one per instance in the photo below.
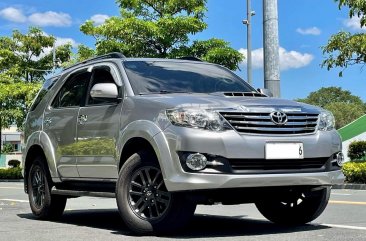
(296, 208)
(43, 204)
(143, 201)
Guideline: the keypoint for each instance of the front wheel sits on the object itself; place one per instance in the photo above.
(143, 201)
(296, 207)
(44, 205)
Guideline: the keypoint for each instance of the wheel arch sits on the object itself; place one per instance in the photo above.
(140, 135)
(33, 152)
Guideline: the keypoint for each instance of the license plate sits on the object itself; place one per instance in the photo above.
(284, 151)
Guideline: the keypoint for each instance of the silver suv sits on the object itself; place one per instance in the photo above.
(163, 135)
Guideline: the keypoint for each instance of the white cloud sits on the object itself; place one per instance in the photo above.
(354, 23)
(309, 31)
(99, 19)
(13, 15)
(43, 19)
(288, 59)
(59, 41)
(50, 18)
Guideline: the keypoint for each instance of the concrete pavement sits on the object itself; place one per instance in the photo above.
(89, 218)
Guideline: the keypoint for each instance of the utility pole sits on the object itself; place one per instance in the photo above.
(248, 22)
(271, 47)
(54, 57)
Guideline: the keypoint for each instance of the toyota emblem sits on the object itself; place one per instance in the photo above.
(278, 117)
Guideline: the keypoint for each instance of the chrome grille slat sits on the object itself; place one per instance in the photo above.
(289, 123)
(260, 123)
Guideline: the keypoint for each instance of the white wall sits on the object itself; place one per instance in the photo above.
(9, 157)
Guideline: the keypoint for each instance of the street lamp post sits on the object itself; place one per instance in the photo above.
(248, 22)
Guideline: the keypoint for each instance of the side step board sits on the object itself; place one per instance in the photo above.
(76, 193)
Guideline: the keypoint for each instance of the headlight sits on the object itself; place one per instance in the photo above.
(198, 118)
(326, 121)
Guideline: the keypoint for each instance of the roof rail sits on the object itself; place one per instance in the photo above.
(190, 58)
(112, 55)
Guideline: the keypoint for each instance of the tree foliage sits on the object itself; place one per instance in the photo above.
(154, 28)
(7, 148)
(344, 106)
(344, 48)
(28, 57)
(24, 61)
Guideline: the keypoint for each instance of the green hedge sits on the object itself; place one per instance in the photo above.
(355, 172)
(357, 150)
(11, 173)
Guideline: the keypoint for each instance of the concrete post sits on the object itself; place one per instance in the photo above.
(271, 47)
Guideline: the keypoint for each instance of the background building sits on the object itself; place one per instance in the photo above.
(15, 138)
(355, 131)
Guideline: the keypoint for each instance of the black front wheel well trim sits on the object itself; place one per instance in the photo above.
(33, 152)
(133, 146)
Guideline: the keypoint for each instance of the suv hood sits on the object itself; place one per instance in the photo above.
(221, 102)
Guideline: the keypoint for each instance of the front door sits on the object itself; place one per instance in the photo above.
(60, 122)
(97, 131)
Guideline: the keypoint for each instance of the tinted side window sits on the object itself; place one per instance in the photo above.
(72, 93)
(100, 75)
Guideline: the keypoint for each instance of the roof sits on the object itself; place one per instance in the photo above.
(353, 129)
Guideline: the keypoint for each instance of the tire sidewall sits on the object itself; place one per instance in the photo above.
(134, 222)
(312, 209)
(39, 212)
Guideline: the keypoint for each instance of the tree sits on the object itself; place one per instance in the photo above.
(28, 57)
(344, 106)
(7, 148)
(345, 113)
(155, 28)
(344, 48)
(24, 61)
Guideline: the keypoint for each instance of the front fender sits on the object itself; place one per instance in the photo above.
(42, 140)
(147, 130)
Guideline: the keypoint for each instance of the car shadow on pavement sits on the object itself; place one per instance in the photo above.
(201, 225)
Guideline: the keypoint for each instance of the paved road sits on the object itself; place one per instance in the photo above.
(97, 219)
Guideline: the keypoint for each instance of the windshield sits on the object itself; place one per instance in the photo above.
(147, 77)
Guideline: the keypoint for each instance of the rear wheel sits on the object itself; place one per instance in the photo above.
(296, 208)
(44, 205)
(143, 201)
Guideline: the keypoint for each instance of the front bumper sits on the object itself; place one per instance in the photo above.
(230, 144)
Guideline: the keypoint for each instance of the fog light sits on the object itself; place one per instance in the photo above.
(196, 161)
(340, 159)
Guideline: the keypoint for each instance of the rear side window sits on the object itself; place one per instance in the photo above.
(73, 91)
(48, 84)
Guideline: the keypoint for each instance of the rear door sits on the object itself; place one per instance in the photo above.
(60, 120)
(97, 130)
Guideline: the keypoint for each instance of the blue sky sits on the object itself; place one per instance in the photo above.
(304, 26)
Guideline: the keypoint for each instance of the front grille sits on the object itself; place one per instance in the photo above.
(260, 123)
(263, 164)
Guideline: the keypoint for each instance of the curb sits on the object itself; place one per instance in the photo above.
(352, 186)
(11, 180)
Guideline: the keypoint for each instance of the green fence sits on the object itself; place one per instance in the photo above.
(2, 160)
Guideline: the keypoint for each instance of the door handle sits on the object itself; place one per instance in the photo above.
(82, 119)
(47, 121)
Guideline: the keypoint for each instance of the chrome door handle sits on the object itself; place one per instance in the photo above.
(82, 119)
(47, 121)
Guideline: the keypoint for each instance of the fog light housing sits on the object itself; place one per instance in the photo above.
(196, 161)
(340, 159)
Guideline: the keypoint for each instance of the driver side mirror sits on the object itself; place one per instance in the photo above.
(105, 91)
(265, 92)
